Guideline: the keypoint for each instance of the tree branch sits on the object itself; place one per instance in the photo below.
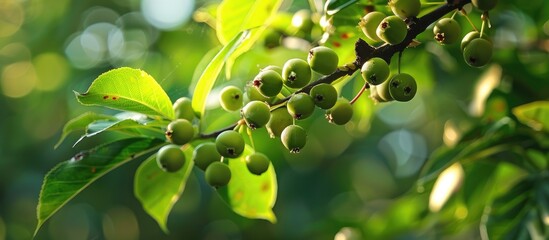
(363, 52)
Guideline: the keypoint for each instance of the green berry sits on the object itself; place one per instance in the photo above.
(272, 38)
(369, 24)
(302, 23)
(301, 106)
(280, 119)
(277, 69)
(229, 144)
(180, 131)
(324, 95)
(170, 158)
(484, 5)
(294, 138)
(402, 87)
(405, 8)
(257, 163)
(268, 82)
(380, 93)
(256, 114)
(253, 94)
(392, 30)
(218, 174)
(296, 73)
(183, 109)
(340, 113)
(205, 154)
(478, 52)
(375, 71)
(470, 36)
(447, 31)
(231, 98)
(323, 60)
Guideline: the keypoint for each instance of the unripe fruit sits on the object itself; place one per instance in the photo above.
(296, 73)
(447, 31)
(369, 24)
(253, 94)
(257, 163)
(405, 8)
(324, 95)
(205, 154)
(231, 98)
(340, 113)
(256, 114)
(323, 60)
(229, 144)
(180, 131)
(277, 69)
(478, 52)
(268, 82)
(470, 36)
(272, 38)
(380, 93)
(484, 5)
(170, 158)
(294, 138)
(280, 119)
(183, 109)
(375, 71)
(402, 87)
(300, 106)
(218, 174)
(392, 30)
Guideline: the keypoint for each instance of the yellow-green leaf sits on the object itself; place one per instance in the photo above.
(158, 190)
(209, 75)
(128, 89)
(250, 195)
(80, 123)
(534, 114)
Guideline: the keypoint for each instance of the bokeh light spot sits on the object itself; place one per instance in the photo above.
(167, 14)
(18, 79)
(121, 224)
(52, 71)
(11, 18)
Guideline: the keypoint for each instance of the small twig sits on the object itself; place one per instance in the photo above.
(364, 87)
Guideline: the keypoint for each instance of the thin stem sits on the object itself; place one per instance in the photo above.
(454, 14)
(364, 87)
(399, 61)
(463, 13)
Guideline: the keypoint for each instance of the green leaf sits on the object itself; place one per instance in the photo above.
(534, 114)
(235, 16)
(79, 124)
(127, 127)
(334, 6)
(250, 195)
(158, 190)
(209, 76)
(128, 89)
(69, 178)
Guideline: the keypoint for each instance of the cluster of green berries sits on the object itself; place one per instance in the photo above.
(267, 86)
(400, 87)
(392, 29)
(207, 156)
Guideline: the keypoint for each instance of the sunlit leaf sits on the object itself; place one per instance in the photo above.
(127, 127)
(79, 124)
(69, 178)
(209, 75)
(334, 6)
(128, 89)
(250, 195)
(234, 16)
(535, 115)
(158, 190)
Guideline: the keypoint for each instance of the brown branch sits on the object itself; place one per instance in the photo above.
(363, 52)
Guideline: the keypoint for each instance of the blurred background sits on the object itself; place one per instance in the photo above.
(353, 181)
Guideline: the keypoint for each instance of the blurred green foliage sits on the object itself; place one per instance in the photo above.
(354, 180)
